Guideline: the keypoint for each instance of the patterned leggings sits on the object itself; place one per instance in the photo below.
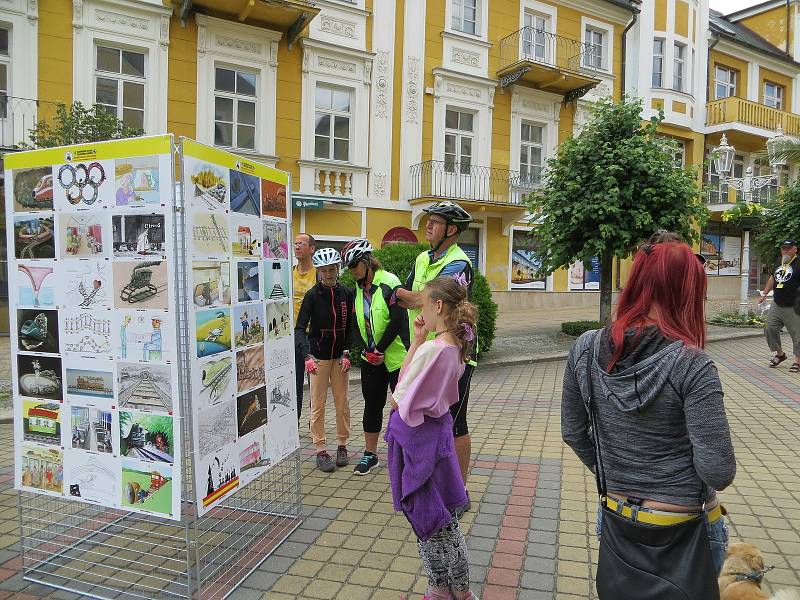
(444, 558)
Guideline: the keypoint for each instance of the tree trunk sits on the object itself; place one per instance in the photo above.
(606, 284)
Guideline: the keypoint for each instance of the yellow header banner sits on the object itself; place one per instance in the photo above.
(143, 146)
(230, 160)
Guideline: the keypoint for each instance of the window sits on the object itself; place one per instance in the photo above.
(465, 16)
(120, 84)
(595, 42)
(530, 156)
(234, 108)
(658, 63)
(773, 95)
(679, 60)
(724, 82)
(332, 124)
(525, 262)
(534, 39)
(458, 136)
(680, 154)
(4, 63)
(770, 192)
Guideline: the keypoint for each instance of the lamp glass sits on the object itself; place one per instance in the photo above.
(723, 156)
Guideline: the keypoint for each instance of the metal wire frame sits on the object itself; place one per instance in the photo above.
(465, 181)
(108, 553)
(550, 50)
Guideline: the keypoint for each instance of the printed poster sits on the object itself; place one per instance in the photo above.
(91, 243)
(243, 398)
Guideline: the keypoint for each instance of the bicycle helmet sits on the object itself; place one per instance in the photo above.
(324, 257)
(356, 250)
(450, 212)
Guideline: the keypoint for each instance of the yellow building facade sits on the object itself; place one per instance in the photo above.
(380, 108)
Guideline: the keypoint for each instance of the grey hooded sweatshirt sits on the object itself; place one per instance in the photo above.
(663, 431)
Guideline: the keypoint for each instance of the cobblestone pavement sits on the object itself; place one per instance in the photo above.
(531, 530)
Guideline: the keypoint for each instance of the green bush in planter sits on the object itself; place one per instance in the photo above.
(399, 259)
(578, 328)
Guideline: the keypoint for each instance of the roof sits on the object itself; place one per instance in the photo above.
(723, 26)
(757, 9)
(631, 5)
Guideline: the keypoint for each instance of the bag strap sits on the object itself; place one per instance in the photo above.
(599, 472)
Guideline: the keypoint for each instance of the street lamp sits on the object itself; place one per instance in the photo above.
(724, 155)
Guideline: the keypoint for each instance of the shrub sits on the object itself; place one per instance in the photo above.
(736, 320)
(399, 259)
(577, 328)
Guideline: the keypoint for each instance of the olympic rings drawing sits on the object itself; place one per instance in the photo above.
(78, 178)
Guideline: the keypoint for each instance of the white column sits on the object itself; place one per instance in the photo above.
(744, 305)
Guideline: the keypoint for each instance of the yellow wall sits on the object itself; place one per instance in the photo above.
(287, 125)
(660, 20)
(397, 108)
(55, 55)
(725, 60)
(773, 77)
(182, 79)
(682, 18)
(379, 221)
(771, 25)
(330, 221)
(497, 255)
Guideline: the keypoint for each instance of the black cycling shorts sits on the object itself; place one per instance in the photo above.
(376, 381)
(459, 409)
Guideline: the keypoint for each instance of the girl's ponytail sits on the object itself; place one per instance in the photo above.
(461, 317)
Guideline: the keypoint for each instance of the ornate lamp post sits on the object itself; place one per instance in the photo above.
(723, 162)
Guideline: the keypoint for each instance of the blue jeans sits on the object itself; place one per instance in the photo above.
(717, 538)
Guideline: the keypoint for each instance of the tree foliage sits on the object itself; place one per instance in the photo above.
(78, 124)
(780, 222)
(610, 188)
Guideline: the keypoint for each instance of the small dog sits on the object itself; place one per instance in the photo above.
(742, 573)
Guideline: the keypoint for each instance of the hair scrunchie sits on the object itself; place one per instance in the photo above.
(467, 332)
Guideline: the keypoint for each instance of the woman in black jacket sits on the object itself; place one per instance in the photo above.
(324, 330)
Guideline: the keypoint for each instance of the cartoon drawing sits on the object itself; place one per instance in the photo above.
(42, 468)
(213, 331)
(86, 332)
(216, 427)
(140, 336)
(273, 199)
(140, 284)
(37, 330)
(146, 436)
(276, 279)
(251, 410)
(93, 477)
(211, 283)
(222, 476)
(86, 283)
(33, 237)
(145, 387)
(249, 323)
(276, 236)
(137, 181)
(210, 185)
(83, 185)
(38, 289)
(210, 237)
(215, 379)
(94, 383)
(248, 285)
(249, 368)
(278, 320)
(39, 376)
(91, 428)
(80, 235)
(245, 193)
(147, 487)
(138, 235)
(33, 189)
(41, 422)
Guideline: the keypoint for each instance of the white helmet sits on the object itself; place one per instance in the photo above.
(356, 250)
(324, 257)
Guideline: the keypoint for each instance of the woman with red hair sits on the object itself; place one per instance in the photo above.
(643, 396)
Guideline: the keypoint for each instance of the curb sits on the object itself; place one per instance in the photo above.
(528, 359)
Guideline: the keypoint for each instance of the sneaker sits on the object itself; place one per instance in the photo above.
(368, 462)
(341, 457)
(325, 462)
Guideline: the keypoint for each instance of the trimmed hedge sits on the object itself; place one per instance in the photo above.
(578, 328)
(399, 259)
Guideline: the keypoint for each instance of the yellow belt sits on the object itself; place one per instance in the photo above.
(643, 515)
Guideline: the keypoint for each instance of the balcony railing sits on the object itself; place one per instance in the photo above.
(464, 181)
(17, 117)
(738, 110)
(549, 50)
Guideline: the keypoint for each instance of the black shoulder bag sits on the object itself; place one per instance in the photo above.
(639, 561)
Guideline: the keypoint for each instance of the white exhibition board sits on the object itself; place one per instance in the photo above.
(95, 252)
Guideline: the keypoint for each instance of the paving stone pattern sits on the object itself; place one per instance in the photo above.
(531, 530)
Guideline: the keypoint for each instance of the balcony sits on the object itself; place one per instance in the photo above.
(17, 117)
(483, 188)
(749, 117)
(548, 62)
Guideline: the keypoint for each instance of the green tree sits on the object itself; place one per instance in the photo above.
(781, 221)
(610, 188)
(78, 125)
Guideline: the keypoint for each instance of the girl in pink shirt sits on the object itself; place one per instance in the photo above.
(423, 468)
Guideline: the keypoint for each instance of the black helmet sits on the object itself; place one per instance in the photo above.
(450, 212)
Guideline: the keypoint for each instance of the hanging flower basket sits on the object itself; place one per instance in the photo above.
(746, 215)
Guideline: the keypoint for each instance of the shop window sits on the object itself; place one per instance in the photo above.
(585, 276)
(525, 262)
(721, 245)
(470, 243)
(235, 108)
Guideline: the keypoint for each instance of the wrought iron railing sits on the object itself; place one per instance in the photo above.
(17, 117)
(465, 181)
(551, 50)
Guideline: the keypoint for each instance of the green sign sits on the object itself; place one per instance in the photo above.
(308, 203)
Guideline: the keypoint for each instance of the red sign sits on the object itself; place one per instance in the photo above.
(399, 235)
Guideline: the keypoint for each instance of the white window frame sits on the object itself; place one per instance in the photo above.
(334, 113)
(5, 59)
(679, 65)
(532, 39)
(729, 85)
(142, 28)
(236, 97)
(459, 135)
(456, 7)
(660, 58)
(542, 146)
(480, 27)
(121, 79)
(607, 31)
(21, 20)
(256, 51)
(776, 100)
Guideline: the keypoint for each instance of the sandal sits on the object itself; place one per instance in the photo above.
(776, 360)
(795, 368)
